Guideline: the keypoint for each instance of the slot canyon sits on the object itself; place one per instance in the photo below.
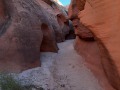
(45, 45)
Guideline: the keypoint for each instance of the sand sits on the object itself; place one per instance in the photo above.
(64, 70)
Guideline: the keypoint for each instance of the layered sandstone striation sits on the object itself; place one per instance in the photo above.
(28, 27)
(99, 20)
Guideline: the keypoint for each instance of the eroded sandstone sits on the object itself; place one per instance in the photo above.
(28, 27)
(100, 17)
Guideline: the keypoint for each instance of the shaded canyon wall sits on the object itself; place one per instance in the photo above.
(28, 27)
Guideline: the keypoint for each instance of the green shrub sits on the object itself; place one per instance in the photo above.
(7, 82)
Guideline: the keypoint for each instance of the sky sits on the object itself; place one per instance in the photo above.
(65, 2)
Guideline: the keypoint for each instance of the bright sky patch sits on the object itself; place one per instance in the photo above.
(65, 2)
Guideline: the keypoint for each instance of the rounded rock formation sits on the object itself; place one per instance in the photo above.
(101, 18)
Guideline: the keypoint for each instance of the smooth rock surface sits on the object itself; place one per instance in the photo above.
(28, 27)
(101, 17)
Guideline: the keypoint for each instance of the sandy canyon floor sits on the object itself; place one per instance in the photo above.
(65, 70)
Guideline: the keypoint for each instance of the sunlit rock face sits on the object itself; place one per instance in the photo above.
(101, 18)
(58, 2)
(28, 27)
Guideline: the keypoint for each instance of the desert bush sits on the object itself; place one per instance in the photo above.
(7, 82)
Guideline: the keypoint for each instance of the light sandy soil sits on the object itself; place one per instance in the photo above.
(64, 70)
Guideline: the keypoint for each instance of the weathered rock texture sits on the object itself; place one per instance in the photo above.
(28, 27)
(99, 19)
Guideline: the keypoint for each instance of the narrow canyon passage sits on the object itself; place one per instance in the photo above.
(53, 46)
(64, 70)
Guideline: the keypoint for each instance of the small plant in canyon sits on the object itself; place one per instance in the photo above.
(7, 82)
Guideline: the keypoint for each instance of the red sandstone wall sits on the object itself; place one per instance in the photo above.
(28, 27)
(101, 17)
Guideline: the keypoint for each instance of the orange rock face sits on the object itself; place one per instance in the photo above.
(101, 17)
(28, 27)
